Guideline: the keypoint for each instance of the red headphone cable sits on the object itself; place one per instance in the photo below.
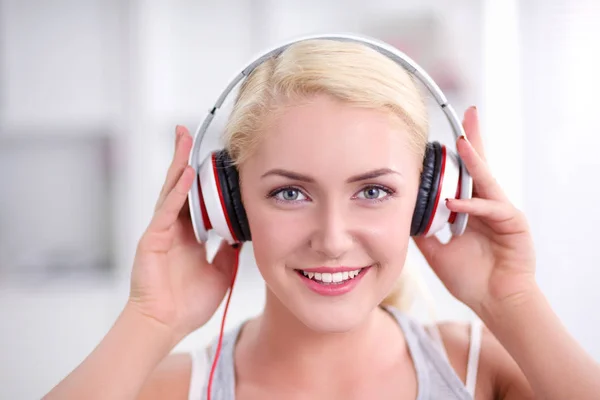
(238, 249)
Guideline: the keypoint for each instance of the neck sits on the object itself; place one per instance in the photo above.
(279, 340)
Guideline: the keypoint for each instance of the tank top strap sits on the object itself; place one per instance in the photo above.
(436, 378)
(223, 385)
(474, 350)
(416, 353)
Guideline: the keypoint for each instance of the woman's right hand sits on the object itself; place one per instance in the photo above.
(172, 281)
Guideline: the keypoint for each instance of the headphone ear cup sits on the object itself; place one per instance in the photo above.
(428, 188)
(449, 187)
(230, 184)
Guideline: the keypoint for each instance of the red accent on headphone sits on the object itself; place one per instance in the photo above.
(439, 191)
(220, 191)
(218, 351)
(205, 219)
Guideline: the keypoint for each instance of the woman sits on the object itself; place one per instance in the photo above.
(303, 126)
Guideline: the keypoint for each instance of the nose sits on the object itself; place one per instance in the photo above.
(332, 238)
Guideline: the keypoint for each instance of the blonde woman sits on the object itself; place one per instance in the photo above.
(329, 139)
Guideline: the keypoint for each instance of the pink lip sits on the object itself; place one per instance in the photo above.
(332, 270)
(333, 289)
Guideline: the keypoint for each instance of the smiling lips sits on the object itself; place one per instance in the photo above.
(332, 281)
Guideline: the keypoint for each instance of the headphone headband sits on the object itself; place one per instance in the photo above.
(466, 182)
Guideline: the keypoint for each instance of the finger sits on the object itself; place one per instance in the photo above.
(179, 162)
(473, 131)
(185, 210)
(161, 195)
(178, 132)
(169, 210)
(500, 216)
(485, 184)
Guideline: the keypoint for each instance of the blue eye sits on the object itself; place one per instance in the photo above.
(288, 194)
(291, 194)
(371, 193)
(374, 193)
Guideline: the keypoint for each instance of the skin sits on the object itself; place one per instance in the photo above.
(295, 343)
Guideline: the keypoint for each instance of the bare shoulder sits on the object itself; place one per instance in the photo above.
(170, 379)
(498, 375)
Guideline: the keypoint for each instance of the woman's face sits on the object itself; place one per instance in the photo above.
(330, 192)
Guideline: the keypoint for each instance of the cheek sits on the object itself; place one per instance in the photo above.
(388, 233)
(390, 223)
(275, 234)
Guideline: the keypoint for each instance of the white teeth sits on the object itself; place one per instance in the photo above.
(337, 277)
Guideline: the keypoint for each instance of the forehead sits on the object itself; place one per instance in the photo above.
(322, 133)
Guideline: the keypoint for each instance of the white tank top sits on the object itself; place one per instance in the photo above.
(436, 379)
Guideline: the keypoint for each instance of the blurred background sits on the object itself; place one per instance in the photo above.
(91, 91)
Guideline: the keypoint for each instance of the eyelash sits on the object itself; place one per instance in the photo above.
(274, 193)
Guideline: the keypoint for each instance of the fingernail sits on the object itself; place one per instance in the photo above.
(476, 112)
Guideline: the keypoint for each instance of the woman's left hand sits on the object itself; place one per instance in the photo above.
(493, 262)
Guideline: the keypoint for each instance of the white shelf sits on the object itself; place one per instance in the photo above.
(56, 203)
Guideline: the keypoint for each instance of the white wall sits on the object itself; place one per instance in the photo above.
(561, 60)
(61, 76)
(138, 68)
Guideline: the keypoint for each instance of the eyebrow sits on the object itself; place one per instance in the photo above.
(305, 178)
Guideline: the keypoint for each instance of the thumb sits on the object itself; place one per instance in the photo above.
(430, 247)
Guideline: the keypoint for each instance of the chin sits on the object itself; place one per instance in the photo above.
(332, 314)
(335, 318)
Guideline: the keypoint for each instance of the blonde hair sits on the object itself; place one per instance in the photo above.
(349, 72)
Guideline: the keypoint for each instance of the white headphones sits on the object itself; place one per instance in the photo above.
(215, 201)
